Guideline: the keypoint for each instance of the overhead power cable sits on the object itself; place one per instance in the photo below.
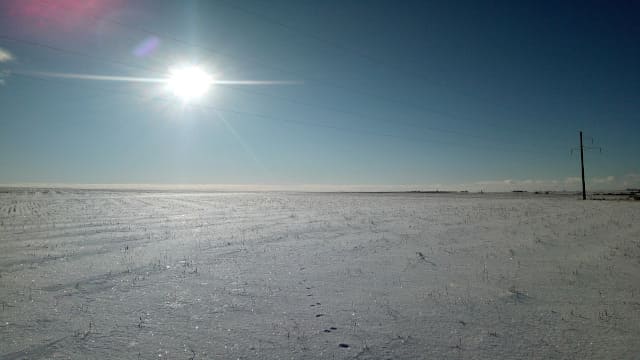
(139, 67)
(305, 77)
(363, 132)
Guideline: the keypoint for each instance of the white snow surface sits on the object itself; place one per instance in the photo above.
(194, 275)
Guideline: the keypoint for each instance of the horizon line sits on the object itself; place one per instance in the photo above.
(477, 187)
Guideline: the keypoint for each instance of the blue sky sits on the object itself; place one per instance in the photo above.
(410, 95)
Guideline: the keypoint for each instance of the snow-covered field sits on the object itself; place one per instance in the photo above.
(150, 275)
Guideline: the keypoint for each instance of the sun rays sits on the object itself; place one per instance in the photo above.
(187, 82)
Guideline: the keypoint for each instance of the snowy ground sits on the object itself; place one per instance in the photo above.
(149, 275)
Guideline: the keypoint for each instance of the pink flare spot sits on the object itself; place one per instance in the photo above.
(60, 15)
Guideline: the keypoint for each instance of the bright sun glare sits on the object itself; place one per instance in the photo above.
(188, 82)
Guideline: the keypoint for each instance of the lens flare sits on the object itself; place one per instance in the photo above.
(147, 47)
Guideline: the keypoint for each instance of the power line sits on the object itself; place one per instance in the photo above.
(230, 110)
(344, 48)
(367, 116)
(301, 32)
(321, 82)
(120, 63)
(72, 52)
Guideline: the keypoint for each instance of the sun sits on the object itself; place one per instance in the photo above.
(189, 82)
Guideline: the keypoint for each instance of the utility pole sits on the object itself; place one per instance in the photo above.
(582, 147)
(584, 190)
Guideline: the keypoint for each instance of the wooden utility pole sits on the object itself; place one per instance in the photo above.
(582, 148)
(584, 191)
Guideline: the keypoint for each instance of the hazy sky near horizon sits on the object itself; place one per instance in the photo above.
(387, 93)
